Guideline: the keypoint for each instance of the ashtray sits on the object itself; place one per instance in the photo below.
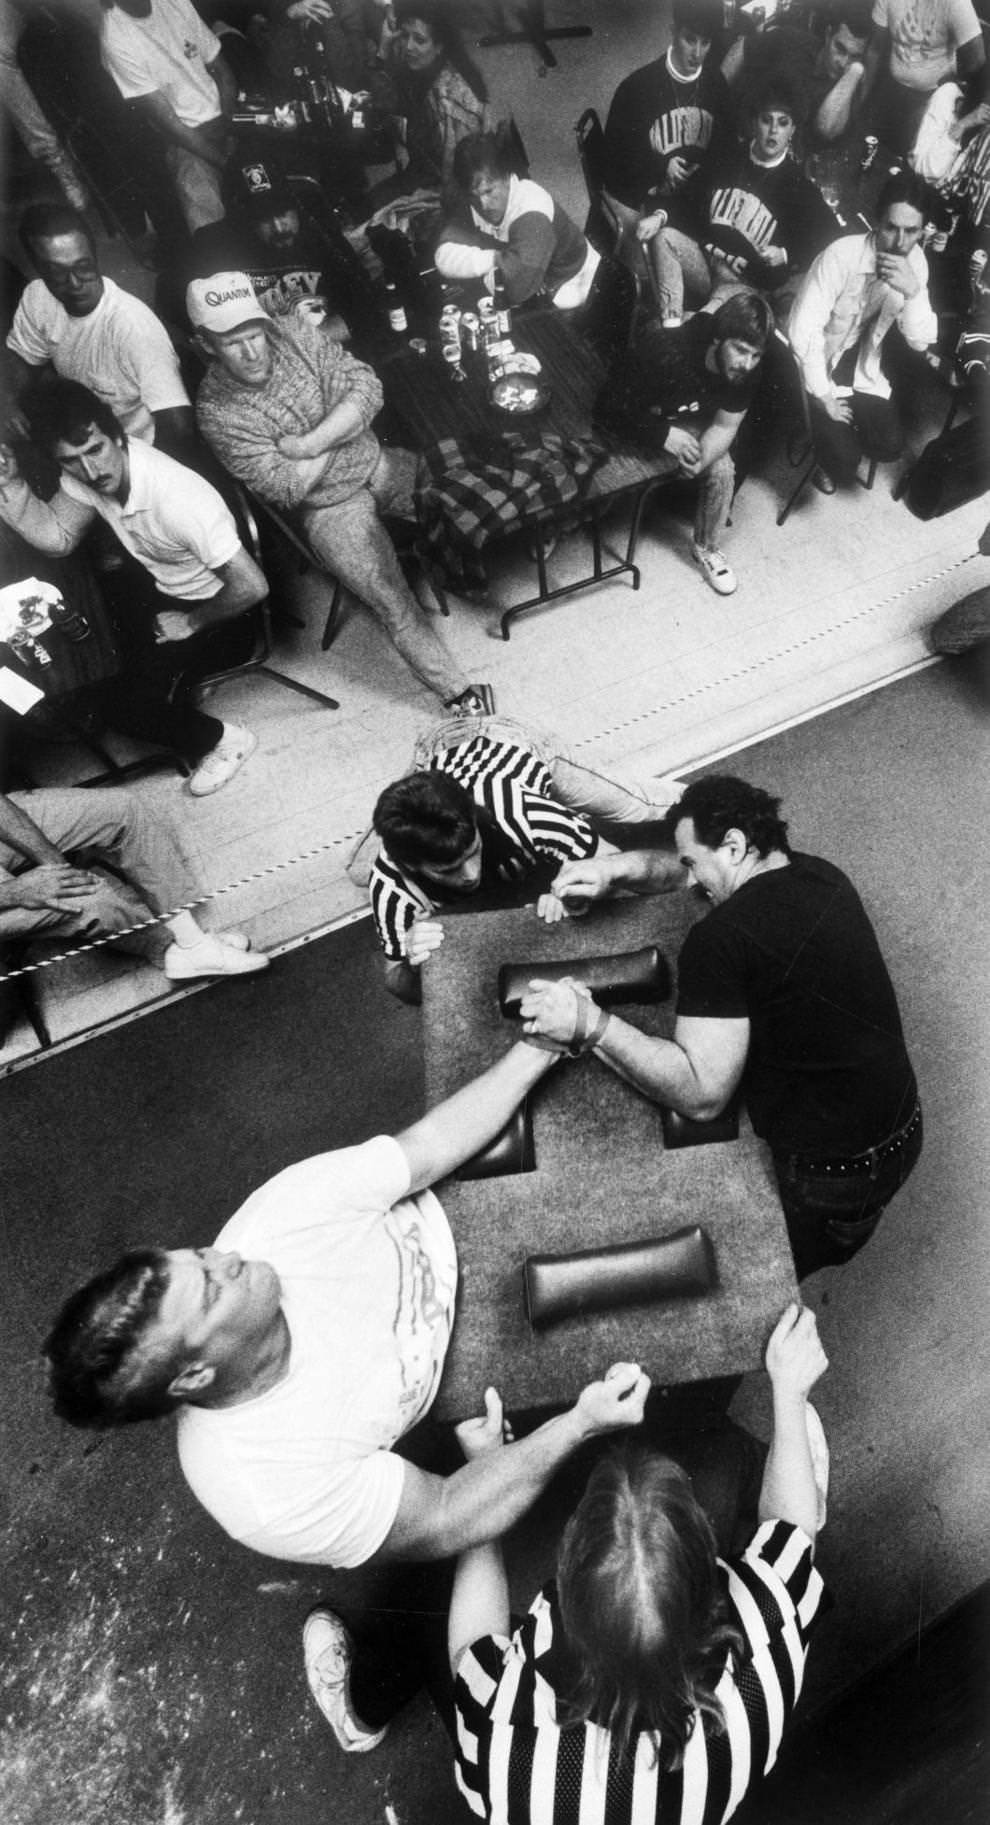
(520, 390)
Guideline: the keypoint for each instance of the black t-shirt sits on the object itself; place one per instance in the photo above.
(794, 952)
(668, 370)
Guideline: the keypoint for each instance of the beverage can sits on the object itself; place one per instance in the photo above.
(471, 330)
(977, 265)
(871, 146)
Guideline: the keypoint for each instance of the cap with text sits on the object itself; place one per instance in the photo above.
(223, 302)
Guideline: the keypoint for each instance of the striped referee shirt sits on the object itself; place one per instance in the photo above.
(516, 1763)
(514, 787)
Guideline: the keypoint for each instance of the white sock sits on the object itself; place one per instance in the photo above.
(185, 932)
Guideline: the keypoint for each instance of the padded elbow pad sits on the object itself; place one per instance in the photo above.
(642, 975)
(680, 1266)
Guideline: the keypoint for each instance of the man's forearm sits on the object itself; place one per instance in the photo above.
(403, 981)
(833, 115)
(484, 1499)
(645, 871)
(55, 526)
(468, 1120)
(163, 116)
(659, 1068)
(342, 423)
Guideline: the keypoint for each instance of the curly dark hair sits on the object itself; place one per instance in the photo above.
(98, 1375)
(426, 819)
(721, 803)
(64, 411)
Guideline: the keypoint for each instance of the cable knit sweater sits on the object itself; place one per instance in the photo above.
(311, 375)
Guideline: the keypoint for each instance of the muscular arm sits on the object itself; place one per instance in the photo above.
(717, 438)
(468, 1120)
(439, 1515)
(20, 832)
(639, 871)
(55, 526)
(243, 584)
(877, 57)
(694, 1073)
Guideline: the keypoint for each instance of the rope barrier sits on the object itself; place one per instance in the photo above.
(319, 849)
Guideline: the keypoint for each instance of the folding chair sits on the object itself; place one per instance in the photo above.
(801, 445)
(602, 227)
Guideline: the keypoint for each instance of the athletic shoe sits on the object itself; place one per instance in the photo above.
(477, 700)
(714, 569)
(821, 480)
(234, 940)
(673, 322)
(222, 762)
(211, 957)
(328, 1652)
(819, 1460)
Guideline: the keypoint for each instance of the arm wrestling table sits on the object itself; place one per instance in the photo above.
(601, 1177)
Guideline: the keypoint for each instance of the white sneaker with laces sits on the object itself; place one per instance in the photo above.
(222, 762)
(328, 1652)
(714, 569)
(211, 957)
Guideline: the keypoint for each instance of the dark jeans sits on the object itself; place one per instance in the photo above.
(147, 700)
(875, 431)
(830, 1216)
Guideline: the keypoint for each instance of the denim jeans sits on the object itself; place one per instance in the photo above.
(830, 1216)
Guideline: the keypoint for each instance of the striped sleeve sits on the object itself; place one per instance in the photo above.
(514, 785)
(475, 1689)
(776, 1594)
(395, 903)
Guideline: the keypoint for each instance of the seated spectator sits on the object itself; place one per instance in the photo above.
(952, 151)
(682, 394)
(488, 814)
(297, 268)
(436, 94)
(289, 412)
(510, 225)
(90, 330)
(195, 571)
(858, 289)
(666, 122)
(828, 66)
(27, 116)
(163, 56)
(911, 51)
(51, 884)
(749, 219)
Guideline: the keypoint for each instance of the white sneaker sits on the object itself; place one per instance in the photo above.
(328, 1651)
(714, 569)
(818, 1445)
(211, 957)
(222, 762)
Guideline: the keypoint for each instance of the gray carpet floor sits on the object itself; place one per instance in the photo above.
(153, 1670)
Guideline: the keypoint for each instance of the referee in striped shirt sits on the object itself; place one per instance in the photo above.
(651, 1682)
(483, 822)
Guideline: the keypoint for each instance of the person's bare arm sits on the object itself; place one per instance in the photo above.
(640, 871)
(970, 58)
(16, 375)
(449, 1134)
(243, 585)
(717, 438)
(795, 1360)
(223, 76)
(836, 108)
(694, 1073)
(55, 526)
(877, 57)
(439, 1516)
(479, 1600)
(19, 831)
(175, 430)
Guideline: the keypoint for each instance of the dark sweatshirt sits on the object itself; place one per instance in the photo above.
(737, 209)
(652, 118)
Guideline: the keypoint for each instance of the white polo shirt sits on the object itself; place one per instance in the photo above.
(165, 54)
(173, 522)
(120, 351)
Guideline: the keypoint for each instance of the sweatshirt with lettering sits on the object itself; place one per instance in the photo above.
(655, 114)
(738, 209)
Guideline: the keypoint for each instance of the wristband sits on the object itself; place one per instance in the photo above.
(589, 1025)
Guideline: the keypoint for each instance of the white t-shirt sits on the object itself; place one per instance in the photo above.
(173, 522)
(167, 54)
(925, 35)
(368, 1277)
(120, 351)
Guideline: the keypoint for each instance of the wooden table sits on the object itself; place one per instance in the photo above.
(426, 405)
(602, 1176)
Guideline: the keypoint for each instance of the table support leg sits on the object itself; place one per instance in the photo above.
(535, 31)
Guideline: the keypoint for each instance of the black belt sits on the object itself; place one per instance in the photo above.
(857, 1163)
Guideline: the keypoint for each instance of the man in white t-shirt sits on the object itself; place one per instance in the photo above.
(92, 331)
(309, 1339)
(160, 54)
(917, 44)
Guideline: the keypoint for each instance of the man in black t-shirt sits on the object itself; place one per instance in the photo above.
(782, 989)
(682, 394)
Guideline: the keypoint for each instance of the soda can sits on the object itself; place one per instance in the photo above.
(451, 352)
(977, 265)
(871, 146)
(471, 330)
(487, 310)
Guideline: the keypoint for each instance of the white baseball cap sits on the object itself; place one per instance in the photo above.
(223, 302)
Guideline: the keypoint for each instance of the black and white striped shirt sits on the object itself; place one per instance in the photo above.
(514, 787)
(516, 1763)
